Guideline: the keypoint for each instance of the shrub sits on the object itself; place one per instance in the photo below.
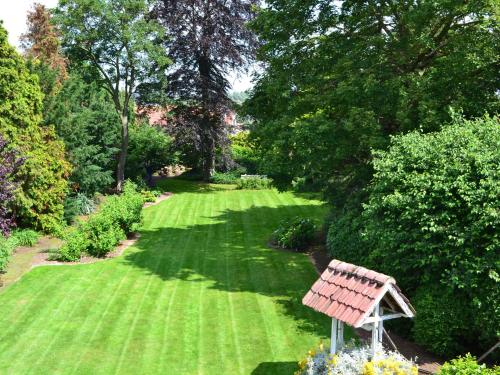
(254, 183)
(150, 195)
(230, 177)
(119, 215)
(26, 237)
(354, 360)
(466, 365)
(76, 243)
(7, 246)
(77, 205)
(125, 210)
(441, 315)
(431, 217)
(295, 234)
(244, 152)
(102, 233)
(9, 163)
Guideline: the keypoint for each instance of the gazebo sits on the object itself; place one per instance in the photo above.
(358, 297)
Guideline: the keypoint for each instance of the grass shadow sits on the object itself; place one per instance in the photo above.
(231, 254)
(275, 368)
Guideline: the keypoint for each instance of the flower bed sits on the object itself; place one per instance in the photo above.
(353, 360)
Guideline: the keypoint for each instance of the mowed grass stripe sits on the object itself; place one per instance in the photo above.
(200, 293)
(37, 328)
(93, 273)
(149, 336)
(127, 305)
(131, 329)
(183, 240)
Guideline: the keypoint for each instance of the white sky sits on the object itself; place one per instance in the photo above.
(13, 15)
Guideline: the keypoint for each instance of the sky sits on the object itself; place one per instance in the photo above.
(13, 15)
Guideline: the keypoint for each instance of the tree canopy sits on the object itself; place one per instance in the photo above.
(341, 77)
(120, 43)
(206, 40)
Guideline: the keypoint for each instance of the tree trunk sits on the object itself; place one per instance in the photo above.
(209, 158)
(120, 173)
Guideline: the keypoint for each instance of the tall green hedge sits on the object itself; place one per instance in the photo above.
(432, 221)
(39, 200)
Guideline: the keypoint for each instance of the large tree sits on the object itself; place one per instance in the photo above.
(342, 77)
(206, 40)
(42, 48)
(121, 43)
(43, 176)
(84, 117)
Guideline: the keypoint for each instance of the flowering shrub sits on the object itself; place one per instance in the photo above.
(354, 360)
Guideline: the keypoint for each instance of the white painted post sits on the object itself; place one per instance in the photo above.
(340, 335)
(333, 343)
(381, 327)
(375, 331)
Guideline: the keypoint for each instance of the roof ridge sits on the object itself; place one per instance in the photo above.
(360, 272)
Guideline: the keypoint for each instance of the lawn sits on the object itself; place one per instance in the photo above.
(199, 293)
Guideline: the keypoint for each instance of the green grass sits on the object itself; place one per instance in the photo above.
(200, 293)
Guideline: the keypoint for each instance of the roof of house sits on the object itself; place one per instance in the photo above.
(350, 293)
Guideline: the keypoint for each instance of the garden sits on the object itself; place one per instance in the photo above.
(158, 217)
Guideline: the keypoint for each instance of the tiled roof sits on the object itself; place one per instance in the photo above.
(349, 293)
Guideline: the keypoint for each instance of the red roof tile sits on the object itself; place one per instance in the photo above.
(349, 293)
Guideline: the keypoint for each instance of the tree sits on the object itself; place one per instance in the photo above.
(431, 220)
(43, 176)
(84, 117)
(206, 40)
(342, 77)
(41, 44)
(119, 41)
(150, 150)
(9, 164)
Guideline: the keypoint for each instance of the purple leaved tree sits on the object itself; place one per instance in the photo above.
(9, 163)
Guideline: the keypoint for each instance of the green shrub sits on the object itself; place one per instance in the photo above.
(295, 234)
(76, 243)
(118, 216)
(466, 365)
(102, 234)
(441, 315)
(150, 195)
(254, 183)
(228, 178)
(431, 218)
(26, 237)
(7, 246)
(125, 210)
(244, 152)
